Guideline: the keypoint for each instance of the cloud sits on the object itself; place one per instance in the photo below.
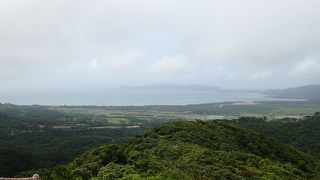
(96, 44)
(309, 67)
(266, 74)
(170, 65)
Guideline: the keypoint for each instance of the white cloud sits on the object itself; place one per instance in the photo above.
(265, 74)
(94, 64)
(71, 44)
(170, 65)
(309, 67)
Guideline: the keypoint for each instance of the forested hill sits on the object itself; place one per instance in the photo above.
(192, 150)
(303, 134)
(310, 92)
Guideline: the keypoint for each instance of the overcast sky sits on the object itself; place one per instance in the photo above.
(89, 44)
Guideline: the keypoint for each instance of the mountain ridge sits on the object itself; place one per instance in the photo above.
(192, 150)
(309, 92)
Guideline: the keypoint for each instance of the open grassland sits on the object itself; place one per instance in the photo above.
(225, 110)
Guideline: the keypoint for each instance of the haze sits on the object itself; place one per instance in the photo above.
(81, 45)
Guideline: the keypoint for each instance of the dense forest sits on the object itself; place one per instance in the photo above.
(50, 140)
(37, 137)
(303, 134)
(191, 150)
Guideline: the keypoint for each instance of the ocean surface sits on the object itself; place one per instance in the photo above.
(135, 97)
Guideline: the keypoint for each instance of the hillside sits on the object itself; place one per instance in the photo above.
(191, 150)
(310, 92)
(55, 135)
(302, 134)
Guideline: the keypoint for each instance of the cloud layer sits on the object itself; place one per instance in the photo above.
(68, 45)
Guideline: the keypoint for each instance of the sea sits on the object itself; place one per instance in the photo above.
(135, 98)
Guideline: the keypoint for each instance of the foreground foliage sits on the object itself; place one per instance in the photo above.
(303, 134)
(191, 150)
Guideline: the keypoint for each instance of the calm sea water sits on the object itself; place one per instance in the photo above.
(112, 97)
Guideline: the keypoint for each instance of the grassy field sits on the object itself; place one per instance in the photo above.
(118, 115)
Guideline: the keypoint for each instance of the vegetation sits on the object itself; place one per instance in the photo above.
(15, 161)
(34, 137)
(37, 137)
(191, 150)
(303, 134)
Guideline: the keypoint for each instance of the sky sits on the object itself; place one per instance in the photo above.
(67, 45)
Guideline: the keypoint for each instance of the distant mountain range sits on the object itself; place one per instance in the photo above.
(170, 87)
(310, 92)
